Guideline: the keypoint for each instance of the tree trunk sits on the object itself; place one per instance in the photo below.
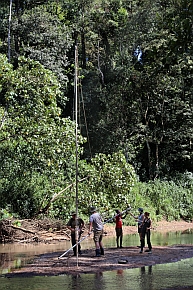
(157, 161)
(149, 160)
(83, 49)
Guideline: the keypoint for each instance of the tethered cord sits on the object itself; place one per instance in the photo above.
(85, 120)
(84, 113)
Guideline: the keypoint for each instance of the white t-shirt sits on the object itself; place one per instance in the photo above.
(96, 220)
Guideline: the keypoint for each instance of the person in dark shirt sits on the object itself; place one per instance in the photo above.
(71, 225)
(145, 231)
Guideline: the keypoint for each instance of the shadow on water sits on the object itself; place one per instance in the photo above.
(158, 277)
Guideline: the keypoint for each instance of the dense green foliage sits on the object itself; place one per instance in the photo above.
(36, 144)
(169, 199)
(135, 93)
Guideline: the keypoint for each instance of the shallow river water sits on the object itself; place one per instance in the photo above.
(158, 277)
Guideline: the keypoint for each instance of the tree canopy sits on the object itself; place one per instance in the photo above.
(135, 94)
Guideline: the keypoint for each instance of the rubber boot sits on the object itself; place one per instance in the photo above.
(98, 253)
(142, 245)
(121, 240)
(102, 251)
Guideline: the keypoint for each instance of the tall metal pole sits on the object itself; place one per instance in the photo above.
(76, 132)
(9, 31)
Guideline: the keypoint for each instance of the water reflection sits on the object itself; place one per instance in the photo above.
(8, 263)
(76, 282)
(120, 272)
(14, 256)
(158, 277)
(146, 280)
(85, 282)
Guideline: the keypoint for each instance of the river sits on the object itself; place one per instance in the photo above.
(159, 277)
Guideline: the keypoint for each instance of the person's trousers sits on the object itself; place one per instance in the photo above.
(147, 234)
(73, 240)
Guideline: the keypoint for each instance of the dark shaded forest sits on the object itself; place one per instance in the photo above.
(135, 106)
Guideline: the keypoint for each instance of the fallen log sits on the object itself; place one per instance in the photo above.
(22, 229)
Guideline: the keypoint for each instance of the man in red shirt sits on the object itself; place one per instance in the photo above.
(119, 227)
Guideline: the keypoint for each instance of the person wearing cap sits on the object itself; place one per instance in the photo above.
(119, 227)
(71, 225)
(139, 220)
(96, 225)
(145, 231)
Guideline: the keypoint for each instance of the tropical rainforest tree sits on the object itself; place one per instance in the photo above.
(35, 141)
(135, 88)
(147, 102)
